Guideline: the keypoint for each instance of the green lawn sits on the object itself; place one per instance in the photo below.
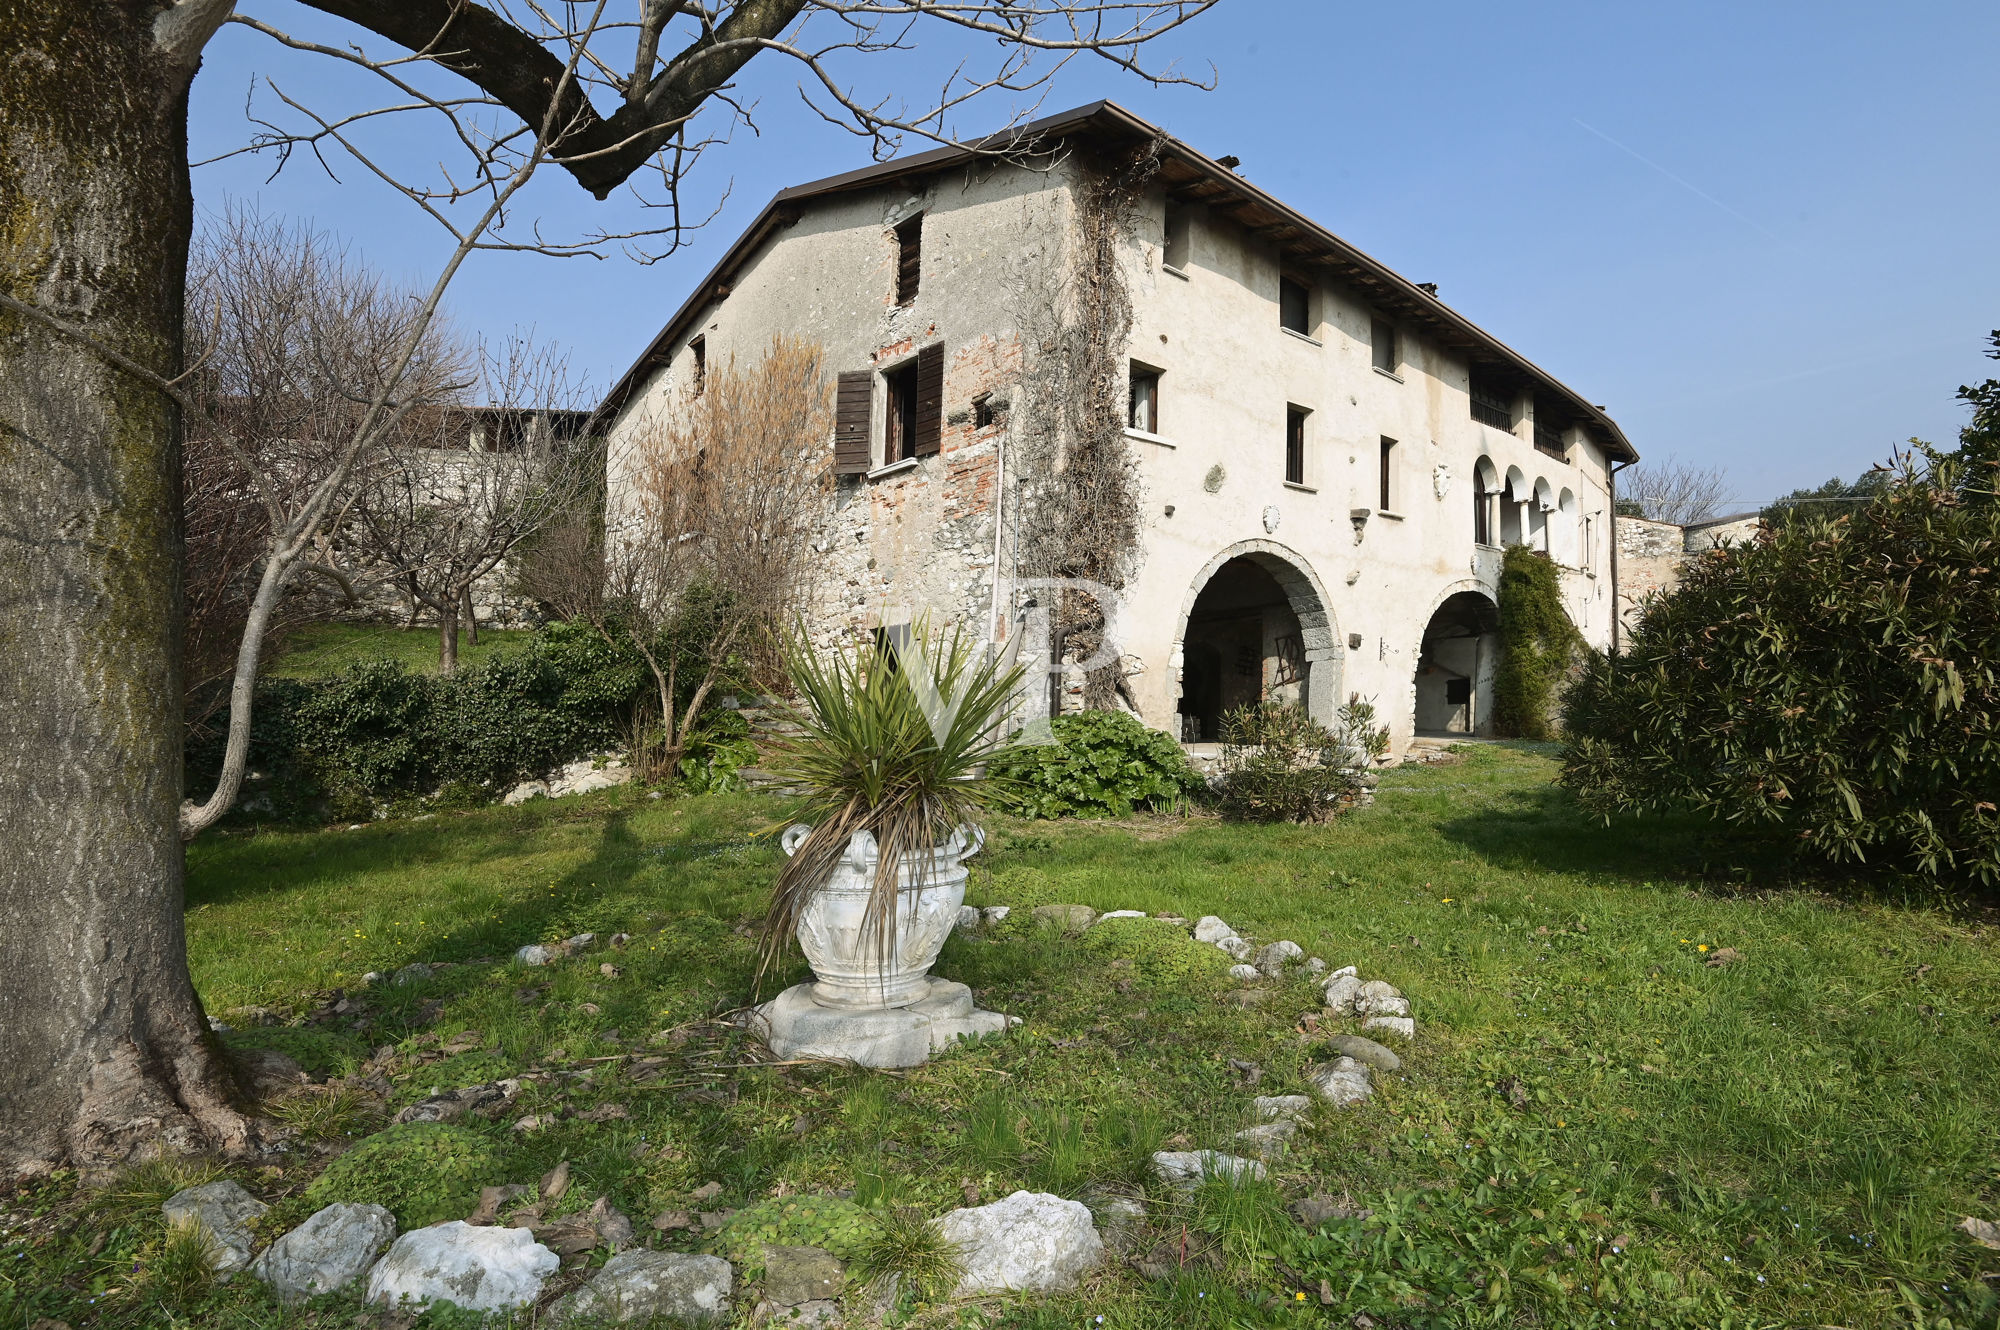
(321, 649)
(1593, 1127)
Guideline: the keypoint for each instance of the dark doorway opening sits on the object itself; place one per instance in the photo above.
(1455, 666)
(1243, 645)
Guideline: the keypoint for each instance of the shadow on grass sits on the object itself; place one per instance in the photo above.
(1542, 828)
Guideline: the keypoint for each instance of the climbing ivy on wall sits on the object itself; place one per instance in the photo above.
(1538, 646)
(1080, 512)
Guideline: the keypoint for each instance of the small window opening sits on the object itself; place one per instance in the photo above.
(1295, 445)
(1293, 306)
(699, 346)
(1144, 411)
(1382, 338)
(1549, 438)
(1174, 253)
(899, 440)
(909, 258)
(1388, 496)
(1482, 510)
(982, 411)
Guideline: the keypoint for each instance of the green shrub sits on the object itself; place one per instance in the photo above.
(838, 1226)
(1280, 765)
(422, 1172)
(380, 732)
(1837, 683)
(1539, 646)
(1103, 764)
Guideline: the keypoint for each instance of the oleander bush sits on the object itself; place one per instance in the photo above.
(1103, 764)
(1835, 684)
(1280, 765)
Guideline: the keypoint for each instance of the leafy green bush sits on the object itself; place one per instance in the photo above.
(422, 1172)
(1280, 765)
(838, 1226)
(1538, 645)
(380, 732)
(1103, 764)
(1837, 683)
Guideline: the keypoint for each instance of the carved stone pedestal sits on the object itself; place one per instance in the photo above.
(796, 1026)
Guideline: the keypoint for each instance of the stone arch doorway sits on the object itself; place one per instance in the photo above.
(1461, 645)
(1256, 625)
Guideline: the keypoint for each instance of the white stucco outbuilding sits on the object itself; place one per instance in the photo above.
(1329, 459)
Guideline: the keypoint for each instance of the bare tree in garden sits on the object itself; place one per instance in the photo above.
(289, 338)
(110, 1053)
(458, 490)
(716, 554)
(1671, 490)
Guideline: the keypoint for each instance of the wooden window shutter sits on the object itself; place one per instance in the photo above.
(930, 399)
(853, 410)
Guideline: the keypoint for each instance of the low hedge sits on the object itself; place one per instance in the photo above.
(1103, 764)
(379, 733)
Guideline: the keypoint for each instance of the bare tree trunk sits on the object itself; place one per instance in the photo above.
(447, 611)
(471, 613)
(108, 1053)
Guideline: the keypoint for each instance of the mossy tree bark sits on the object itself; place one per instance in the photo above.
(108, 1053)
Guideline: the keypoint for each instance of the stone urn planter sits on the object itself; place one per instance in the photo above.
(873, 1000)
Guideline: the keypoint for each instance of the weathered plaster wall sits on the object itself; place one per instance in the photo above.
(1228, 372)
(1364, 580)
(918, 537)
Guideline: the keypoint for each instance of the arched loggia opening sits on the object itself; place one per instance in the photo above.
(1255, 628)
(1455, 665)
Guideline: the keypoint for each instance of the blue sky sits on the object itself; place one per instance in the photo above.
(1762, 234)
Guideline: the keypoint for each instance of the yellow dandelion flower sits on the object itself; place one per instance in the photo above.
(1702, 947)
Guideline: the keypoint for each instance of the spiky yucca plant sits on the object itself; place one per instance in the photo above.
(897, 743)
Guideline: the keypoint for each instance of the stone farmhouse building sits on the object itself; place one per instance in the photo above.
(1325, 459)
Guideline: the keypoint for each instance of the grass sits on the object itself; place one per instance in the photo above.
(318, 650)
(1594, 1127)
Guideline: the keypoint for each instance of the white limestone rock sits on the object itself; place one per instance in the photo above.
(1341, 993)
(1345, 1083)
(526, 790)
(480, 1269)
(329, 1251)
(1241, 948)
(537, 954)
(1345, 972)
(1376, 990)
(1382, 1006)
(1211, 929)
(1186, 1170)
(1246, 973)
(1402, 1026)
(583, 777)
(1273, 959)
(1121, 914)
(1275, 1107)
(968, 919)
(1030, 1242)
(226, 1211)
(995, 915)
(1316, 965)
(1268, 1139)
(636, 1286)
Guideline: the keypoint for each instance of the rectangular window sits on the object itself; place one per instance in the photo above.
(1382, 341)
(1174, 252)
(1294, 306)
(1388, 495)
(899, 421)
(1143, 413)
(1491, 406)
(1549, 439)
(1295, 444)
(909, 258)
(983, 414)
(699, 372)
